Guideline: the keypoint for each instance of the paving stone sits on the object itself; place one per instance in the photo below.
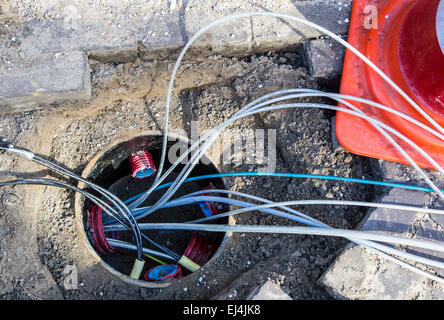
(48, 78)
(270, 33)
(166, 24)
(325, 58)
(394, 221)
(269, 291)
(148, 30)
(358, 274)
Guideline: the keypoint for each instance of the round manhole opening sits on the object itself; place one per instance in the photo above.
(114, 169)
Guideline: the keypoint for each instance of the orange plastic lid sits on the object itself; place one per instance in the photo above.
(401, 38)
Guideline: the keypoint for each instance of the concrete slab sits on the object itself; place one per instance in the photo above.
(393, 221)
(48, 78)
(359, 274)
(270, 34)
(76, 25)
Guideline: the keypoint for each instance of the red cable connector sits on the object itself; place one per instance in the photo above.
(208, 208)
(199, 249)
(142, 164)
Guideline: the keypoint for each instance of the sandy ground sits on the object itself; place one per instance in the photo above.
(38, 235)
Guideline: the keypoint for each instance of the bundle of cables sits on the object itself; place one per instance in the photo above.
(123, 216)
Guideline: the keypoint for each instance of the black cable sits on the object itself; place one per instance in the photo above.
(4, 145)
(55, 183)
(103, 205)
(111, 197)
(126, 213)
(166, 250)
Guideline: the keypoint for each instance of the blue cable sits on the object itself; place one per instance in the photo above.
(294, 175)
(288, 175)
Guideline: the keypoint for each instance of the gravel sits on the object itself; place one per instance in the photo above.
(129, 98)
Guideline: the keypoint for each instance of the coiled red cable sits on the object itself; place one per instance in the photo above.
(97, 233)
(199, 249)
(142, 164)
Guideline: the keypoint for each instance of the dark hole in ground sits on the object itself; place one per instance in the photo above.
(303, 145)
(113, 171)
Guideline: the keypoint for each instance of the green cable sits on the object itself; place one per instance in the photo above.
(154, 258)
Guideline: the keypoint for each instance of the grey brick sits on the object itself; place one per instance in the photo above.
(149, 30)
(168, 25)
(394, 221)
(47, 78)
(275, 34)
(358, 274)
(325, 58)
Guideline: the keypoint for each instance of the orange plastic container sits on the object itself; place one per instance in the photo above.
(403, 42)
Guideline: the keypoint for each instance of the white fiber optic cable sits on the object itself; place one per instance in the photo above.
(315, 231)
(208, 139)
(376, 248)
(253, 104)
(377, 124)
(190, 165)
(294, 216)
(196, 197)
(303, 92)
(374, 122)
(283, 16)
(288, 17)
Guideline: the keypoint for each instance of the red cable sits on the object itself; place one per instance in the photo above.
(142, 164)
(199, 249)
(202, 250)
(93, 229)
(98, 234)
(196, 249)
(101, 234)
(211, 250)
(191, 245)
(213, 209)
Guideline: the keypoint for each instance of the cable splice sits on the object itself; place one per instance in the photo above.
(188, 263)
(137, 269)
